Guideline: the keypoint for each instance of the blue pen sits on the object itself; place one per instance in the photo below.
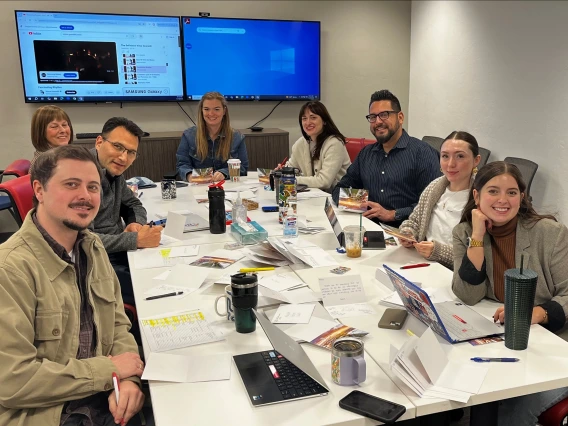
(478, 359)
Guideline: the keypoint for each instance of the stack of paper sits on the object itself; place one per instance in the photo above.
(187, 368)
(300, 251)
(312, 193)
(180, 278)
(160, 257)
(436, 294)
(344, 296)
(296, 295)
(265, 253)
(423, 365)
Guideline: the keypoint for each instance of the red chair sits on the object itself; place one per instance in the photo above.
(17, 168)
(555, 415)
(20, 192)
(354, 145)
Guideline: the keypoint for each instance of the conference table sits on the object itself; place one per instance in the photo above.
(542, 367)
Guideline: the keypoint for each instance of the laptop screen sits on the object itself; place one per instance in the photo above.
(330, 213)
(417, 302)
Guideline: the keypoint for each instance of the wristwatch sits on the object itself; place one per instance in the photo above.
(474, 243)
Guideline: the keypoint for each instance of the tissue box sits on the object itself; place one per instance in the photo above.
(248, 233)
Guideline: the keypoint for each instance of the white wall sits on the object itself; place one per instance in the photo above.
(499, 70)
(365, 47)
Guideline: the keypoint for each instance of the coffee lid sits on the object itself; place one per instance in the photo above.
(244, 279)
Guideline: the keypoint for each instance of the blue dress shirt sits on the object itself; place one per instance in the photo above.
(395, 179)
(187, 158)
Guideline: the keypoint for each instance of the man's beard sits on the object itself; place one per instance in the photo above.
(384, 139)
(74, 226)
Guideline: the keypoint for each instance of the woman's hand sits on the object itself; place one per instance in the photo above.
(425, 248)
(480, 224)
(406, 243)
(538, 315)
(218, 176)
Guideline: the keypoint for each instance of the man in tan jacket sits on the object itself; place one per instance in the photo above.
(63, 327)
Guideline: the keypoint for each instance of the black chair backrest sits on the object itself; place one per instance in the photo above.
(434, 141)
(527, 168)
(485, 153)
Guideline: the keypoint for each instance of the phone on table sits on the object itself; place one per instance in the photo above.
(270, 208)
(393, 319)
(370, 406)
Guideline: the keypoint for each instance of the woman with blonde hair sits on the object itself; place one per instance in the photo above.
(212, 142)
(51, 127)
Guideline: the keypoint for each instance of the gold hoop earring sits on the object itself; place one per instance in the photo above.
(475, 170)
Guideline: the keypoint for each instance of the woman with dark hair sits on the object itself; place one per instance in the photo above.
(441, 203)
(498, 226)
(320, 153)
(212, 142)
(51, 127)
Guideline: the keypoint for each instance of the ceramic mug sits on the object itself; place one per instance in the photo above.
(348, 365)
(229, 312)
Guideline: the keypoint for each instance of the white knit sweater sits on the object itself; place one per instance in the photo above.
(328, 170)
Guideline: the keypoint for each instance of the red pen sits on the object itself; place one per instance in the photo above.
(415, 265)
(283, 162)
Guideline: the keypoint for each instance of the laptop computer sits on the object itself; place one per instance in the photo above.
(372, 240)
(282, 375)
(453, 320)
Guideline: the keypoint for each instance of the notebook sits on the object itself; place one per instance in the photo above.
(453, 320)
(372, 240)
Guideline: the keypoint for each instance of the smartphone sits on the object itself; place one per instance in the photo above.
(270, 208)
(370, 406)
(393, 319)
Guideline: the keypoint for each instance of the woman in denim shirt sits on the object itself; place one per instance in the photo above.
(212, 142)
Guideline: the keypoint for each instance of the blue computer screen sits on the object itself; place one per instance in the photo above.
(87, 57)
(251, 59)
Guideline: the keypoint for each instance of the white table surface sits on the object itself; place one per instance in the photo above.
(542, 365)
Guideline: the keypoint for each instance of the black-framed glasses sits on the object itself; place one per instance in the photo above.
(121, 148)
(383, 115)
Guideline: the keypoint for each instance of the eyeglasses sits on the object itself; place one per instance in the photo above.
(383, 115)
(120, 149)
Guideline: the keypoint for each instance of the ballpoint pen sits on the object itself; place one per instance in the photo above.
(140, 195)
(268, 268)
(283, 162)
(415, 265)
(482, 359)
(160, 296)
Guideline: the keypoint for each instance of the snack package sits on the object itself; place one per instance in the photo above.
(202, 176)
(353, 200)
(264, 175)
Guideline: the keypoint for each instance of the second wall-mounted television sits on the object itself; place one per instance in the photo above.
(88, 57)
(251, 59)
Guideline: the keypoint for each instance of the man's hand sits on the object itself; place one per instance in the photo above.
(379, 212)
(133, 227)
(128, 364)
(425, 248)
(149, 237)
(130, 402)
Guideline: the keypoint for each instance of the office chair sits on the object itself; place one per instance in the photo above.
(354, 145)
(485, 153)
(20, 195)
(527, 168)
(17, 168)
(434, 141)
(555, 415)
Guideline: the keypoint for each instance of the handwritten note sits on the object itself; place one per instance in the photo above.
(344, 296)
(183, 251)
(294, 314)
(280, 282)
(178, 330)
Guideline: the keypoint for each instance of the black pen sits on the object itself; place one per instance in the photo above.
(140, 195)
(175, 293)
(151, 223)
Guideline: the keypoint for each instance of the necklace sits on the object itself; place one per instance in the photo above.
(454, 193)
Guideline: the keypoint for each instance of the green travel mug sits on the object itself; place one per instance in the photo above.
(245, 298)
(520, 288)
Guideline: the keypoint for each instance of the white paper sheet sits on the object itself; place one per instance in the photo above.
(178, 330)
(157, 258)
(175, 225)
(184, 251)
(187, 368)
(344, 296)
(281, 282)
(293, 314)
(166, 289)
(297, 295)
(350, 310)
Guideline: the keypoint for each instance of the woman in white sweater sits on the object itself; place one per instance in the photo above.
(320, 153)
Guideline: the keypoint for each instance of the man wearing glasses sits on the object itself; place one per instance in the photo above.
(115, 149)
(396, 169)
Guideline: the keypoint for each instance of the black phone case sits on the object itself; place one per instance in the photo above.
(398, 410)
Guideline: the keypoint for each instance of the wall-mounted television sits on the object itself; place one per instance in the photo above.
(251, 59)
(88, 57)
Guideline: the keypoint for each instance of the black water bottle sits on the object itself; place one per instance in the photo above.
(217, 216)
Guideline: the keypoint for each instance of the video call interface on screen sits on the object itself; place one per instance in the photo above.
(88, 57)
(253, 60)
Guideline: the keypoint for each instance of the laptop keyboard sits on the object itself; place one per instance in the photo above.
(291, 381)
(457, 327)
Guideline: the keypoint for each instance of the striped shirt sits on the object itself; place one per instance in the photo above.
(395, 179)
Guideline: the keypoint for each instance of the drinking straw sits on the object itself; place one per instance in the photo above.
(522, 261)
